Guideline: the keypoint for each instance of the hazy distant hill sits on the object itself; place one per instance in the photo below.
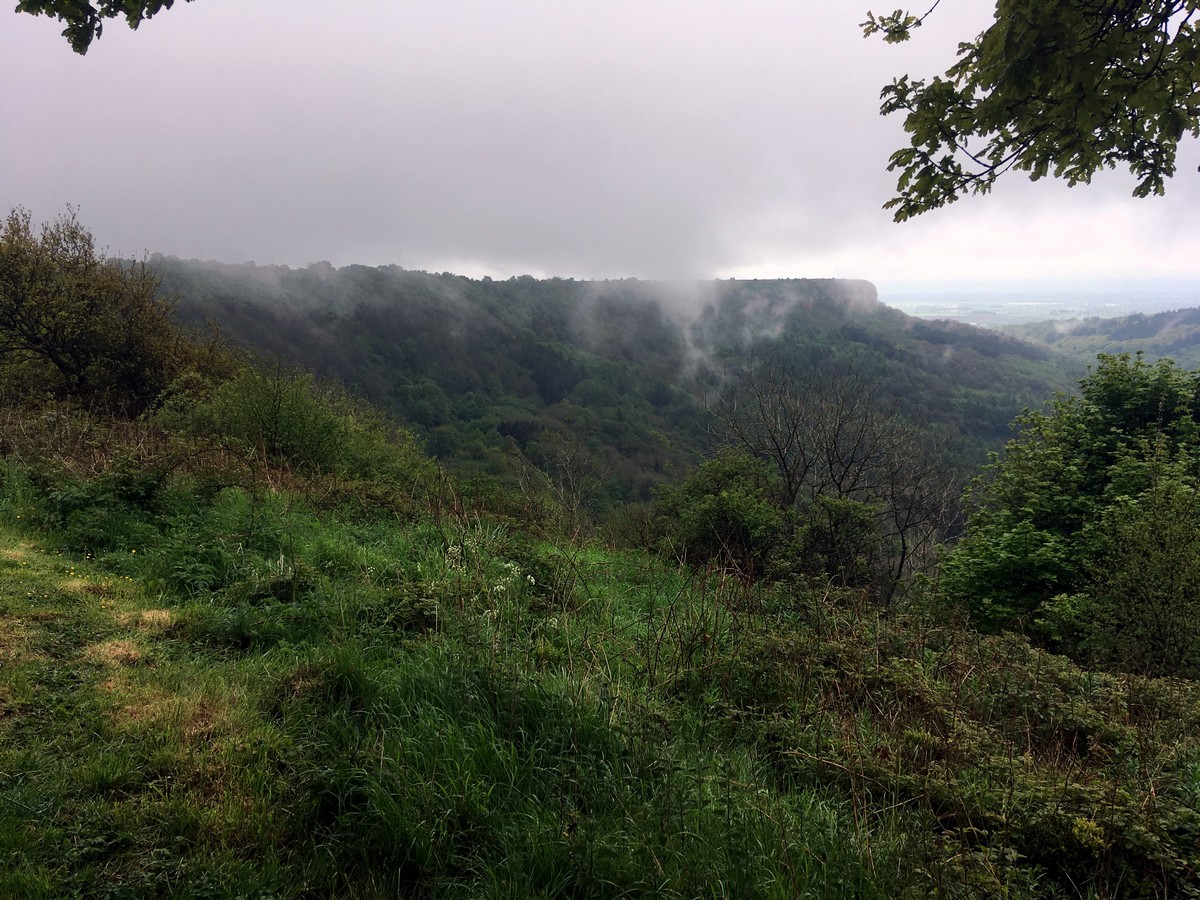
(609, 373)
(1174, 334)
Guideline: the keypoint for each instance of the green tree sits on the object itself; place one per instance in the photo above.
(1065, 88)
(1140, 609)
(726, 512)
(85, 20)
(75, 324)
(1078, 473)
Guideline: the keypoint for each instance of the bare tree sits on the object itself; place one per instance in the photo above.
(844, 452)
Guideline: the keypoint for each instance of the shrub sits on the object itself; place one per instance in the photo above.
(285, 416)
(1080, 504)
(724, 513)
(840, 539)
(77, 325)
(1140, 612)
(280, 414)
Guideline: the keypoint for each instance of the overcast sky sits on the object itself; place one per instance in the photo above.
(579, 138)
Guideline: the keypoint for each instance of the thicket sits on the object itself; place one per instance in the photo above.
(76, 326)
(820, 477)
(1084, 533)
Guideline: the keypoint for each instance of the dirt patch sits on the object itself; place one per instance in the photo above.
(14, 638)
(45, 615)
(137, 702)
(204, 718)
(196, 720)
(114, 653)
(83, 586)
(150, 621)
(155, 620)
(153, 708)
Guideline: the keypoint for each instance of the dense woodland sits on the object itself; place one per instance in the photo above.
(1174, 334)
(615, 374)
(373, 583)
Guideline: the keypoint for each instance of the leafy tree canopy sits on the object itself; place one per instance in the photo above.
(1065, 88)
(1052, 531)
(77, 325)
(85, 20)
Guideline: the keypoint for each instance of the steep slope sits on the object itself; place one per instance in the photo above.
(285, 683)
(608, 375)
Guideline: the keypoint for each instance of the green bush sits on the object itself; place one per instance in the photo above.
(840, 539)
(724, 513)
(1140, 611)
(18, 494)
(114, 511)
(1086, 524)
(284, 416)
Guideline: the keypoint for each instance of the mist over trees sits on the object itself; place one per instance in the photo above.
(868, 420)
(1173, 334)
(487, 369)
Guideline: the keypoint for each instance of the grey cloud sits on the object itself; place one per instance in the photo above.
(684, 138)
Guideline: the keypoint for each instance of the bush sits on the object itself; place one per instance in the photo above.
(77, 325)
(281, 415)
(96, 515)
(1080, 506)
(840, 539)
(724, 513)
(285, 416)
(1141, 610)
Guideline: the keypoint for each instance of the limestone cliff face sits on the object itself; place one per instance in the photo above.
(856, 291)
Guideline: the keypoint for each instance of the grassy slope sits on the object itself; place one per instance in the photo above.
(378, 709)
(215, 692)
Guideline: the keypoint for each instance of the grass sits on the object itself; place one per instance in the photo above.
(113, 743)
(214, 691)
(336, 708)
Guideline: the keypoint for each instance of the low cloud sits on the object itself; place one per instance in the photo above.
(680, 139)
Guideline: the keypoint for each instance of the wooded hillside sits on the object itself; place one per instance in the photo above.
(614, 374)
